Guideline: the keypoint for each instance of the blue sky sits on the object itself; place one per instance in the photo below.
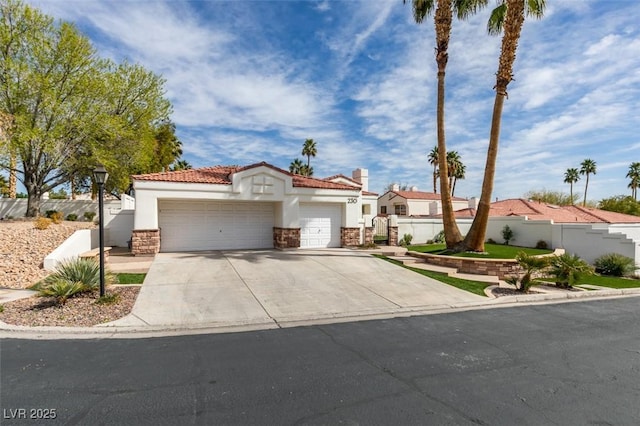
(250, 81)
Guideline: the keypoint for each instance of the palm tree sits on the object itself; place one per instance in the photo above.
(296, 166)
(571, 176)
(309, 149)
(460, 172)
(453, 162)
(508, 18)
(180, 165)
(634, 175)
(587, 167)
(443, 18)
(306, 170)
(433, 160)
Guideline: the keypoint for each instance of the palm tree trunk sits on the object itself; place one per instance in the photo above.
(514, 20)
(435, 179)
(586, 186)
(571, 191)
(474, 240)
(443, 17)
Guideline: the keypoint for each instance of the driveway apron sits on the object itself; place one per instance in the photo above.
(271, 286)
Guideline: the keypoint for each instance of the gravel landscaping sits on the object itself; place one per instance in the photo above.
(22, 251)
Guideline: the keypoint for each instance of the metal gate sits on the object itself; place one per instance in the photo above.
(380, 229)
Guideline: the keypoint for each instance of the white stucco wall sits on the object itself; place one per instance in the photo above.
(79, 242)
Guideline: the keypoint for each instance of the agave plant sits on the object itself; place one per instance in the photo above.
(85, 271)
(569, 269)
(62, 289)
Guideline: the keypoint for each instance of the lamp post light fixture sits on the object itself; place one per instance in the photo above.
(100, 175)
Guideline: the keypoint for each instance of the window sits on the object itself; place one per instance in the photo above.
(383, 209)
(366, 209)
(401, 209)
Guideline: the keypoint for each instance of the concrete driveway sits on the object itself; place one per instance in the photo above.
(271, 288)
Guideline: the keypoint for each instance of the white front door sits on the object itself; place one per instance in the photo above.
(320, 225)
(215, 225)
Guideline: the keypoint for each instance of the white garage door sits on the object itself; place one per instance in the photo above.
(209, 225)
(320, 225)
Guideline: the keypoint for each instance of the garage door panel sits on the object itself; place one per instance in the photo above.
(215, 225)
(320, 225)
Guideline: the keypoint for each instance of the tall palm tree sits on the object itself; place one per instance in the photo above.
(508, 18)
(433, 160)
(587, 167)
(309, 149)
(443, 17)
(453, 162)
(634, 175)
(460, 173)
(296, 166)
(571, 176)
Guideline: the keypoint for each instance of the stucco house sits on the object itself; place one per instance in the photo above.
(415, 203)
(252, 207)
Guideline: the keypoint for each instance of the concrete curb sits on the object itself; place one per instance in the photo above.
(138, 332)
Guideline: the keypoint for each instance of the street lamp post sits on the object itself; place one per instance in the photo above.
(100, 175)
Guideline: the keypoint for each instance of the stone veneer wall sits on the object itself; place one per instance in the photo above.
(349, 237)
(286, 238)
(496, 267)
(393, 236)
(145, 241)
(368, 235)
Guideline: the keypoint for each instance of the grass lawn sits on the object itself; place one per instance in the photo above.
(130, 278)
(493, 251)
(611, 282)
(475, 287)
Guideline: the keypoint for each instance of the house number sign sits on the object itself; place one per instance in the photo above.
(352, 200)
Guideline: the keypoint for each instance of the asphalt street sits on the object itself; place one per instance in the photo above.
(571, 363)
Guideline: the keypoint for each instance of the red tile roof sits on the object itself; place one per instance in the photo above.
(558, 214)
(222, 175)
(419, 195)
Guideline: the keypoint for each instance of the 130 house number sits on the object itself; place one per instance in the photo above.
(352, 200)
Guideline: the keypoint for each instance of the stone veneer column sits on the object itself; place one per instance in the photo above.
(284, 238)
(393, 235)
(349, 237)
(145, 241)
(368, 234)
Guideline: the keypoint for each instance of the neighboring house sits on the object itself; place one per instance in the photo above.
(415, 203)
(252, 207)
(535, 210)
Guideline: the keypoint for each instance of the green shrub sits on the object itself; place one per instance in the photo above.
(42, 223)
(61, 289)
(85, 271)
(406, 240)
(491, 241)
(542, 244)
(507, 234)
(57, 217)
(1, 309)
(89, 215)
(439, 237)
(569, 269)
(615, 264)
(528, 264)
(72, 217)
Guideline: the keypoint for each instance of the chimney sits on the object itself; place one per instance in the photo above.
(473, 203)
(395, 187)
(414, 188)
(362, 177)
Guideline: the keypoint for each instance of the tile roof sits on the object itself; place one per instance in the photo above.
(222, 175)
(420, 195)
(535, 210)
